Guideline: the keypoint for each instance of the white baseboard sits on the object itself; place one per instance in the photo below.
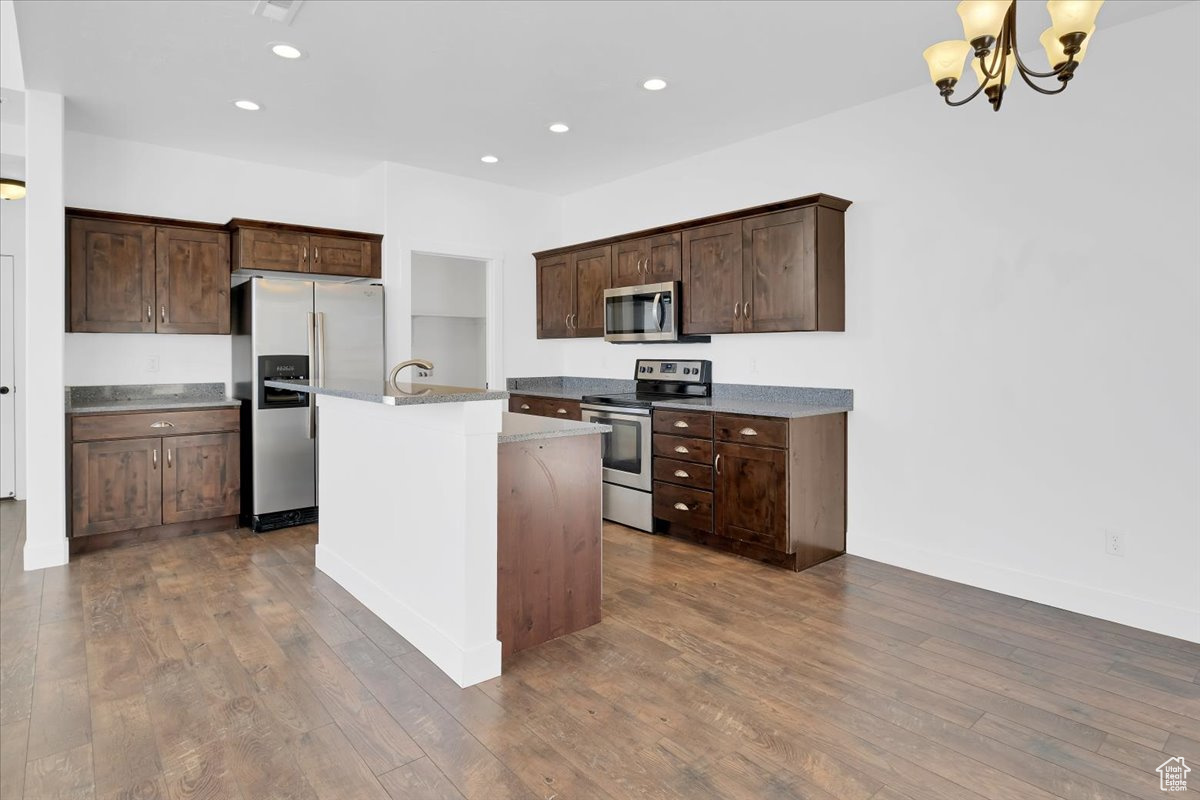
(1137, 612)
(466, 667)
(46, 554)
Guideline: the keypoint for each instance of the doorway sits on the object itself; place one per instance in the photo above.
(8, 370)
(450, 319)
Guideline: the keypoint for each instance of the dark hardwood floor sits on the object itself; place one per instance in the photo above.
(225, 666)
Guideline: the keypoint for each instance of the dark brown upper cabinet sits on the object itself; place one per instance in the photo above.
(775, 267)
(591, 269)
(712, 279)
(654, 259)
(275, 247)
(193, 281)
(111, 276)
(128, 274)
(785, 285)
(555, 298)
(570, 300)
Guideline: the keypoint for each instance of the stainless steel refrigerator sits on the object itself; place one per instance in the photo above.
(304, 330)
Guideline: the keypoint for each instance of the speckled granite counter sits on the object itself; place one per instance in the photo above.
(568, 388)
(409, 394)
(524, 427)
(729, 398)
(146, 397)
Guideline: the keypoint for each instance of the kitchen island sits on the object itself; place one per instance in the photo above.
(412, 522)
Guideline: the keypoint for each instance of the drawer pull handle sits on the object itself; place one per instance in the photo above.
(681, 474)
(562, 411)
(168, 458)
(680, 424)
(682, 507)
(524, 406)
(154, 462)
(748, 432)
(718, 463)
(161, 424)
(680, 448)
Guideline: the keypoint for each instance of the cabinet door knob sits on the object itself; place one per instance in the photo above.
(681, 474)
(680, 424)
(682, 507)
(748, 432)
(524, 406)
(680, 448)
(162, 424)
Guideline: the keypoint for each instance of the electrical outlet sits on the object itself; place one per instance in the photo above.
(1114, 545)
(152, 364)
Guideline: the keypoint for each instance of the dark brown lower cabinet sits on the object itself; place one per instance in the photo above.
(115, 486)
(778, 486)
(126, 486)
(751, 492)
(201, 478)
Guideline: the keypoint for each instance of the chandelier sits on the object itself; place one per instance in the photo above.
(990, 27)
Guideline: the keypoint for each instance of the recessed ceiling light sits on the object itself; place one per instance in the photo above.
(489, 159)
(559, 127)
(247, 105)
(285, 50)
(655, 84)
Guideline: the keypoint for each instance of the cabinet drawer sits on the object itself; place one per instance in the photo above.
(545, 407)
(684, 423)
(95, 427)
(682, 473)
(760, 431)
(523, 404)
(690, 507)
(684, 449)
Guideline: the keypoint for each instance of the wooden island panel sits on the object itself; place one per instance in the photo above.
(549, 530)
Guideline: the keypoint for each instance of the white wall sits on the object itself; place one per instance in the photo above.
(1023, 334)
(45, 287)
(431, 212)
(448, 287)
(118, 175)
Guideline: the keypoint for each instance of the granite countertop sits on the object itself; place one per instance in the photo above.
(525, 427)
(408, 394)
(788, 402)
(146, 397)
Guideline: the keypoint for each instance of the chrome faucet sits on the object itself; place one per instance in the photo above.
(419, 363)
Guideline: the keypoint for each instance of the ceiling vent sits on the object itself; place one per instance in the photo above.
(277, 10)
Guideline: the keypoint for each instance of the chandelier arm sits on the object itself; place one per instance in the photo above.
(1034, 74)
(971, 97)
(1039, 89)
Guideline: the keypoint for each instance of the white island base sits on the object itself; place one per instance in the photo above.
(407, 500)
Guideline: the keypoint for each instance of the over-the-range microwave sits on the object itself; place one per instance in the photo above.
(648, 313)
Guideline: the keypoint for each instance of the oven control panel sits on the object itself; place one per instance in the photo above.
(697, 371)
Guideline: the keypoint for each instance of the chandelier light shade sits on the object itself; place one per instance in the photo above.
(990, 31)
(12, 189)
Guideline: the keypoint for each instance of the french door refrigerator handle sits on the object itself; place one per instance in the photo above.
(312, 365)
(320, 348)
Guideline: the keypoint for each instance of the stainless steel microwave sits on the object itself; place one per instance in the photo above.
(647, 313)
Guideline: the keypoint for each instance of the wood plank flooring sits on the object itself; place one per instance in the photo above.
(225, 666)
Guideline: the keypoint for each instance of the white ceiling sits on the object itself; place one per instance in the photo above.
(438, 84)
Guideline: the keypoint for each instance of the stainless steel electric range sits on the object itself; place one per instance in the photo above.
(627, 471)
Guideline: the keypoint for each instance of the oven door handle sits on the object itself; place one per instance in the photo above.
(658, 311)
